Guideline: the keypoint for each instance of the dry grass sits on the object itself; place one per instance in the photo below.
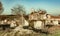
(27, 32)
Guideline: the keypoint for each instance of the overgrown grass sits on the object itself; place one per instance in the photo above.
(57, 33)
(18, 33)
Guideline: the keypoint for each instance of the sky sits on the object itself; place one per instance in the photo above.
(51, 6)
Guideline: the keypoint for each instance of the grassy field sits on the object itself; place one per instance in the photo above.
(27, 32)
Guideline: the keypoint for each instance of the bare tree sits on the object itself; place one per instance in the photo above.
(18, 10)
(1, 8)
(42, 11)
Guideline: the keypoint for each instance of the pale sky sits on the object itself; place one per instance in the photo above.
(51, 6)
